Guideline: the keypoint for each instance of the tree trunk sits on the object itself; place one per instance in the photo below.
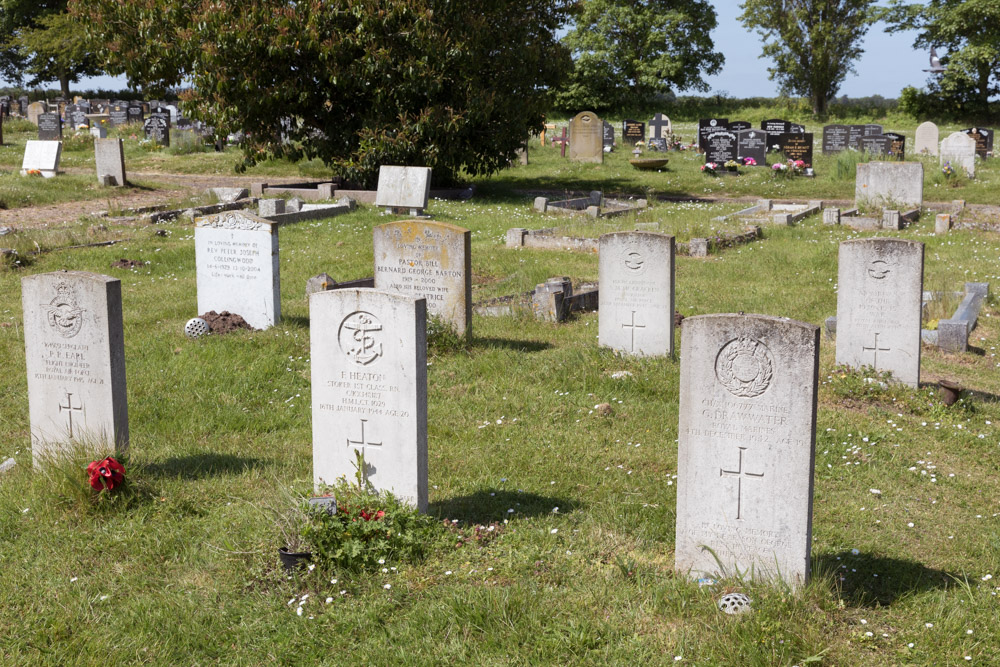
(818, 105)
(64, 86)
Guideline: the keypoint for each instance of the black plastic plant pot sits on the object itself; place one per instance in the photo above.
(293, 560)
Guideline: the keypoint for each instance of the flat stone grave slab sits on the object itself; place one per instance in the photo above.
(41, 156)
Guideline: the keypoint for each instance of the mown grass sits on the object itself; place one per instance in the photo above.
(187, 571)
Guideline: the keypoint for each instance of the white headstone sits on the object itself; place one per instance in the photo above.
(747, 433)
(636, 297)
(403, 187)
(959, 149)
(75, 353)
(427, 259)
(369, 389)
(236, 254)
(109, 154)
(880, 286)
(926, 140)
(894, 185)
(43, 156)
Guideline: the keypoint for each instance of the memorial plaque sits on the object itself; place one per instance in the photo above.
(752, 143)
(835, 139)
(42, 156)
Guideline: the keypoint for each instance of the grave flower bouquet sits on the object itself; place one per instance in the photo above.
(749, 162)
(732, 165)
(947, 170)
(709, 168)
(106, 474)
(33, 172)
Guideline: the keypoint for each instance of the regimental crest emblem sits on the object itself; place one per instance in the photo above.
(360, 337)
(745, 367)
(63, 313)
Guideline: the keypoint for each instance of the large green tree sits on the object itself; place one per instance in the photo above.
(453, 85)
(625, 52)
(812, 43)
(969, 33)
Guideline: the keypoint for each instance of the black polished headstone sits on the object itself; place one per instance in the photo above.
(797, 146)
(752, 143)
(157, 129)
(775, 126)
(633, 131)
(609, 134)
(871, 129)
(118, 114)
(49, 127)
(897, 145)
(76, 116)
(707, 126)
(135, 114)
(876, 144)
(739, 126)
(720, 146)
(835, 138)
(984, 140)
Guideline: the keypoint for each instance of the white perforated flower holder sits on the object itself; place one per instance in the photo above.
(196, 327)
(734, 603)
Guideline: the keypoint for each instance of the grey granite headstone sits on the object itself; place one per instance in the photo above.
(586, 138)
(747, 433)
(432, 260)
(880, 286)
(959, 149)
(926, 140)
(636, 300)
(889, 184)
(236, 255)
(368, 353)
(109, 154)
(75, 353)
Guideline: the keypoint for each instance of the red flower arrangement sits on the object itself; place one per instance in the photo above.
(373, 516)
(106, 474)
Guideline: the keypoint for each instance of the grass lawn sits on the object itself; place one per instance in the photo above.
(906, 538)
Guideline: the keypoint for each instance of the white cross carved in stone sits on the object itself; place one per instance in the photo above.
(70, 410)
(362, 443)
(875, 349)
(739, 474)
(632, 326)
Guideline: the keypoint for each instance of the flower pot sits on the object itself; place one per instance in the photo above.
(949, 391)
(293, 560)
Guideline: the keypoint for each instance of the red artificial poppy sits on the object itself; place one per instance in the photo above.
(106, 474)
(376, 516)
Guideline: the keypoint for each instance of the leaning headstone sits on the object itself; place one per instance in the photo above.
(889, 184)
(41, 156)
(109, 154)
(236, 255)
(49, 127)
(404, 187)
(157, 128)
(586, 138)
(747, 434)
(753, 144)
(636, 299)
(879, 290)
(835, 138)
(431, 260)
(369, 390)
(959, 149)
(75, 353)
(926, 140)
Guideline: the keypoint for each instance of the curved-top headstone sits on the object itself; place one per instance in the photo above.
(959, 149)
(746, 446)
(586, 138)
(926, 139)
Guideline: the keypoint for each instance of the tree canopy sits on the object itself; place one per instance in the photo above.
(627, 51)
(812, 43)
(356, 83)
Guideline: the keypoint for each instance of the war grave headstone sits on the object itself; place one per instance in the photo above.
(76, 116)
(41, 156)
(720, 146)
(118, 114)
(35, 109)
(632, 132)
(959, 149)
(403, 188)
(897, 145)
(431, 260)
(609, 136)
(157, 128)
(746, 447)
(876, 144)
(879, 299)
(369, 389)
(753, 144)
(797, 146)
(926, 139)
(660, 127)
(984, 140)
(636, 299)
(707, 126)
(109, 154)
(899, 184)
(135, 114)
(835, 138)
(586, 138)
(236, 259)
(75, 354)
(49, 127)
(740, 125)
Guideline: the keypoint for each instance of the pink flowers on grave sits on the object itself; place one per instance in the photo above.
(779, 166)
(749, 162)
(106, 474)
(709, 168)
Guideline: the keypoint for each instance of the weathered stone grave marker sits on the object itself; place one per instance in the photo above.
(369, 389)
(747, 433)
(403, 188)
(926, 139)
(586, 138)
(889, 184)
(959, 149)
(109, 154)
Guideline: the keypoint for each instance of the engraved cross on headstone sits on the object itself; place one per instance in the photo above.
(632, 326)
(739, 473)
(875, 349)
(362, 443)
(657, 125)
(70, 410)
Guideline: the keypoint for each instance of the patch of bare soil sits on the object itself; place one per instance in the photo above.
(224, 322)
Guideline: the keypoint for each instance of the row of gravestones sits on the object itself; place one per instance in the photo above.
(869, 138)
(722, 141)
(156, 127)
(748, 383)
(42, 158)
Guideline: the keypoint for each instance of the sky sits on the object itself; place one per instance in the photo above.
(888, 65)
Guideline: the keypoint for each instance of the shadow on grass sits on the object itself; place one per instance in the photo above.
(507, 344)
(865, 580)
(198, 466)
(482, 508)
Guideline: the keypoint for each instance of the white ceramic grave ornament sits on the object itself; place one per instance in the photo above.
(196, 327)
(734, 603)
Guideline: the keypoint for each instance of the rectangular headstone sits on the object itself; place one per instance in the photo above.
(609, 134)
(632, 132)
(740, 125)
(797, 146)
(403, 187)
(720, 146)
(875, 144)
(76, 116)
(236, 255)
(926, 140)
(109, 154)
(42, 156)
(835, 138)
(586, 138)
(431, 260)
(157, 128)
(368, 353)
(776, 126)
(889, 184)
(871, 129)
(752, 143)
(897, 145)
(75, 353)
(746, 434)
(707, 126)
(959, 149)
(118, 114)
(49, 127)
(135, 114)
(880, 286)
(854, 134)
(636, 299)
(984, 140)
